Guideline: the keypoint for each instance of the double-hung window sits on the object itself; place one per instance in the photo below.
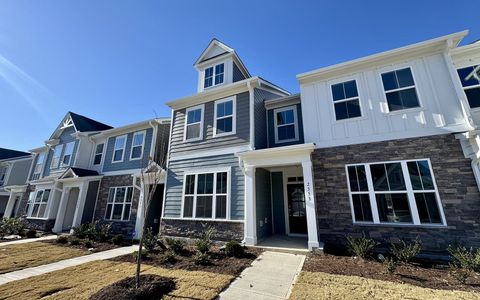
(119, 148)
(138, 143)
(119, 203)
(206, 195)
(194, 123)
(97, 159)
(57, 152)
(37, 170)
(38, 205)
(286, 126)
(402, 192)
(400, 89)
(346, 100)
(214, 75)
(3, 174)
(225, 117)
(67, 154)
(470, 78)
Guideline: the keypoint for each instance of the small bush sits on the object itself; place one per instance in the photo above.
(74, 241)
(176, 245)
(389, 265)
(62, 239)
(361, 247)
(9, 226)
(465, 258)
(405, 252)
(168, 257)
(205, 242)
(31, 233)
(117, 239)
(201, 259)
(88, 244)
(149, 240)
(234, 249)
(144, 254)
(460, 274)
(95, 231)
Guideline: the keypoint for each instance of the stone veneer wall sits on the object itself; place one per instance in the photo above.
(126, 228)
(457, 187)
(190, 228)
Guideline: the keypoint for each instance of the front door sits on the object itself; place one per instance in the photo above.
(297, 214)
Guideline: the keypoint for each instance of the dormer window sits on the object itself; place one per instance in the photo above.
(214, 75)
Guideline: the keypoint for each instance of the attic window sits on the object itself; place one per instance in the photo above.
(214, 75)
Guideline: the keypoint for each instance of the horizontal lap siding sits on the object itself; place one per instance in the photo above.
(173, 199)
(260, 117)
(64, 138)
(179, 147)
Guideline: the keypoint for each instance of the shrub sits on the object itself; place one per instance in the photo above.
(168, 257)
(62, 239)
(10, 226)
(88, 244)
(117, 239)
(389, 265)
(149, 240)
(205, 241)
(361, 247)
(460, 274)
(144, 254)
(465, 258)
(31, 233)
(74, 241)
(176, 245)
(201, 259)
(95, 231)
(405, 252)
(234, 249)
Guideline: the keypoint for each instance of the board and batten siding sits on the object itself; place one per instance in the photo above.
(260, 96)
(175, 178)
(180, 147)
(127, 164)
(440, 110)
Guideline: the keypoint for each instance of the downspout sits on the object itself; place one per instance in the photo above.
(251, 93)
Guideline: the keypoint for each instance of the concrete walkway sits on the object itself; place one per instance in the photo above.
(59, 265)
(23, 241)
(270, 277)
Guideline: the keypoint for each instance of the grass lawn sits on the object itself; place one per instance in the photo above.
(319, 285)
(21, 256)
(82, 281)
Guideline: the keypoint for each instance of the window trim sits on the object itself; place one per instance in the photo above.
(101, 154)
(144, 132)
(214, 195)
(213, 75)
(233, 116)
(464, 88)
(344, 80)
(415, 85)
(62, 164)
(200, 137)
(295, 123)
(41, 166)
(123, 203)
(408, 190)
(32, 204)
(115, 149)
(59, 157)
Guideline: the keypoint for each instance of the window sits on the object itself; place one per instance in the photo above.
(3, 174)
(119, 148)
(401, 192)
(38, 166)
(67, 154)
(119, 203)
(138, 143)
(97, 159)
(471, 84)
(214, 75)
(206, 195)
(57, 152)
(346, 101)
(38, 205)
(286, 128)
(194, 123)
(225, 117)
(400, 90)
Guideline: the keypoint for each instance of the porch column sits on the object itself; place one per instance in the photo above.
(10, 204)
(250, 207)
(310, 205)
(82, 196)
(62, 207)
(140, 212)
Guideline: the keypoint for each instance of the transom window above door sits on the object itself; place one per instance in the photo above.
(194, 123)
(400, 89)
(286, 124)
(214, 75)
(346, 100)
(469, 77)
(225, 117)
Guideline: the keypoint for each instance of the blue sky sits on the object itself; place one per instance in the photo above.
(119, 61)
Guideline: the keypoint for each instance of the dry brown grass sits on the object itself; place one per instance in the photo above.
(318, 285)
(21, 256)
(82, 281)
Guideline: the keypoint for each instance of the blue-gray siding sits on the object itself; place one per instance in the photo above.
(237, 74)
(278, 203)
(260, 96)
(64, 138)
(127, 164)
(19, 172)
(263, 203)
(271, 129)
(179, 147)
(175, 177)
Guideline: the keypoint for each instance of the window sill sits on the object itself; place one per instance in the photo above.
(193, 140)
(287, 141)
(404, 111)
(404, 225)
(361, 118)
(220, 135)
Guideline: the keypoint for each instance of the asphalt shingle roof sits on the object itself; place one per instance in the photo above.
(9, 153)
(83, 123)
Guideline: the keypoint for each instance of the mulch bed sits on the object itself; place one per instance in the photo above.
(97, 246)
(151, 287)
(220, 263)
(423, 275)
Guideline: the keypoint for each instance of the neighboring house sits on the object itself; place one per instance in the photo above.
(14, 167)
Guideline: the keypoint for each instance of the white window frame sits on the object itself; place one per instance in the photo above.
(344, 80)
(52, 167)
(408, 190)
(62, 163)
(419, 98)
(233, 116)
(464, 88)
(200, 137)
(95, 154)
(144, 132)
(214, 73)
(3, 172)
(33, 201)
(295, 123)
(124, 203)
(115, 149)
(39, 164)
(214, 195)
